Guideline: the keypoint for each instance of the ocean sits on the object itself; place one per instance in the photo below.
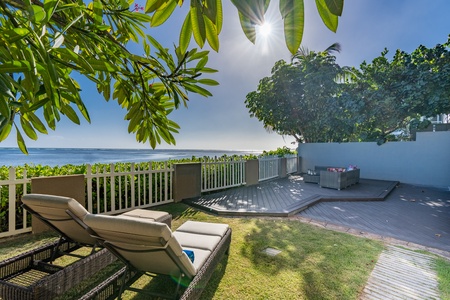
(78, 156)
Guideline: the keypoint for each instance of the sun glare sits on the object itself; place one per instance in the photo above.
(265, 29)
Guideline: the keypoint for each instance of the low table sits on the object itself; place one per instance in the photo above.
(311, 178)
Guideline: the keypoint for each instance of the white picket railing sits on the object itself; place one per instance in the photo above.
(108, 192)
(268, 167)
(116, 191)
(11, 185)
(111, 190)
(221, 173)
(291, 164)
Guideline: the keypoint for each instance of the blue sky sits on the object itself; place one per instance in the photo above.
(222, 121)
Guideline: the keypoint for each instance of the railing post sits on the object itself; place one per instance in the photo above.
(132, 183)
(251, 172)
(12, 201)
(112, 169)
(283, 167)
(89, 187)
(68, 186)
(187, 181)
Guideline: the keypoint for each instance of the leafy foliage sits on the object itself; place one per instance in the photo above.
(394, 94)
(308, 108)
(43, 44)
(315, 100)
(280, 152)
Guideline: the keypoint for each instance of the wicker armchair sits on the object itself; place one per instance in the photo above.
(339, 180)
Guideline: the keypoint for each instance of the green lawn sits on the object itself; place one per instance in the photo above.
(314, 263)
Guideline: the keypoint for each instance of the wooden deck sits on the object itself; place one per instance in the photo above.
(286, 197)
(387, 209)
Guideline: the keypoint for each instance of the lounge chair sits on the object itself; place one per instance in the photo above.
(152, 247)
(65, 215)
(21, 277)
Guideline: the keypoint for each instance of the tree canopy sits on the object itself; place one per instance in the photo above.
(45, 43)
(313, 99)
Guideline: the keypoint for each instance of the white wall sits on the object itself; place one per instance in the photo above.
(425, 161)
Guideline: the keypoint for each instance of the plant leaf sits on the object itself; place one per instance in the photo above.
(198, 25)
(293, 12)
(163, 13)
(211, 34)
(330, 20)
(15, 66)
(185, 34)
(335, 6)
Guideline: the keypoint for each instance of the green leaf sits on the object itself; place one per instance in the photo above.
(50, 7)
(98, 11)
(16, 66)
(202, 63)
(219, 16)
(38, 14)
(208, 81)
(293, 12)
(36, 122)
(335, 6)
(330, 20)
(163, 13)
(152, 5)
(251, 10)
(5, 129)
(198, 25)
(12, 36)
(248, 27)
(70, 113)
(211, 34)
(185, 34)
(28, 129)
(197, 89)
(103, 66)
(21, 142)
(69, 55)
(5, 111)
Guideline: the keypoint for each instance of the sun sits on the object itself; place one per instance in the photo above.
(264, 30)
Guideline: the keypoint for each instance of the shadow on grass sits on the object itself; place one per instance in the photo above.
(326, 264)
(166, 285)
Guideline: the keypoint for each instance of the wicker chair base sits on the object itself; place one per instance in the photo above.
(29, 276)
(111, 287)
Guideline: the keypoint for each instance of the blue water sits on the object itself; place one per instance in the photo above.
(78, 156)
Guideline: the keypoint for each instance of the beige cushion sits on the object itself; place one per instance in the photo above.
(147, 245)
(199, 241)
(53, 208)
(204, 228)
(147, 214)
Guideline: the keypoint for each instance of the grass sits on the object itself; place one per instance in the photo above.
(443, 273)
(314, 263)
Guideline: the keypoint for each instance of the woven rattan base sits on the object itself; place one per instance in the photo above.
(109, 288)
(29, 276)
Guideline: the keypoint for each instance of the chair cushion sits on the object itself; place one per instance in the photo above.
(199, 241)
(55, 206)
(147, 245)
(144, 213)
(53, 209)
(203, 228)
